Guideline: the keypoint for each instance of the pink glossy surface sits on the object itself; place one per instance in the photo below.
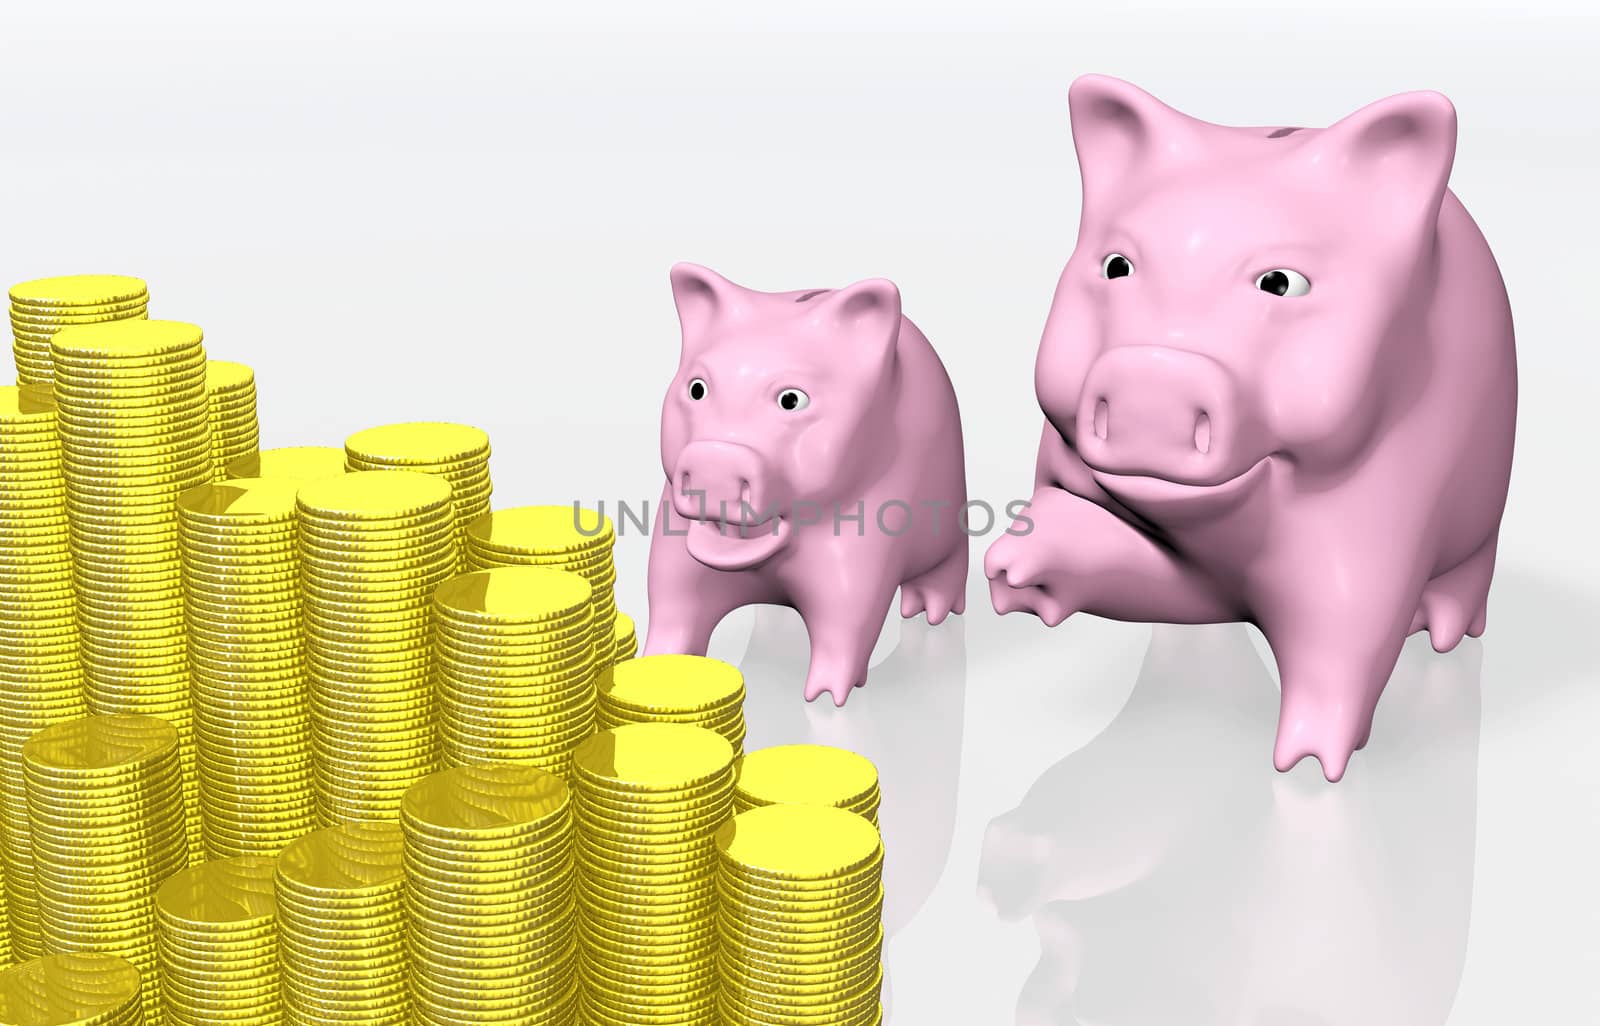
(1331, 466)
(827, 507)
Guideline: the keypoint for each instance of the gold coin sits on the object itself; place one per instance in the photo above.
(77, 290)
(513, 595)
(374, 495)
(425, 443)
(302, 463)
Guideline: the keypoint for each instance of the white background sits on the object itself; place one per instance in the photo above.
(464, 210)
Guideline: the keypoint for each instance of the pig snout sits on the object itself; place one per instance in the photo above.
(723, 481)
(1167, 413)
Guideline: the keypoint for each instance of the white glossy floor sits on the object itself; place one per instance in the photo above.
(1084, 826)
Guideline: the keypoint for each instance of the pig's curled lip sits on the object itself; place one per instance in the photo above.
(1145, 492)
(721, 546)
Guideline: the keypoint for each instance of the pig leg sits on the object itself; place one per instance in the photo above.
(844, 611)
(687, 598)
(1335, 653)
(940, 591)
(1456, 603)
(1081, 557)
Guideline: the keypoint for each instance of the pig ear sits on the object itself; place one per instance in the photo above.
(1400, 150)
(1119, 129)
(702, 295)
(866, 316)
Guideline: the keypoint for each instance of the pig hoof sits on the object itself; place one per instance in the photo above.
(1330, 735)
(1035, 599)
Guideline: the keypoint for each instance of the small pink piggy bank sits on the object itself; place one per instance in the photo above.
(812, 449)
(1279, 386)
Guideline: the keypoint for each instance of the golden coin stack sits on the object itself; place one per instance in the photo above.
(42, 307)
(489, 897)
(247, 667)
(512, 655)
(40, 680)
(627, 641)
(562, 537)
(235, 430)
(649, 797)
(373, 547)
(105, 800)
(675, 689)
(77, 989)
(455, 452)
(7, 954)
(298, 462)
(800, 917)
(341, 926)
(807, 775)
(132, 416)
(217, 931)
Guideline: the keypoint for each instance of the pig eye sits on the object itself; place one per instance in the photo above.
(1116, 266)
(697, 389)
(1284, 282)
(793, 399)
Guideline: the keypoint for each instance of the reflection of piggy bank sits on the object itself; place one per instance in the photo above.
(812, 449)
(1280, 386)
(1173, 879)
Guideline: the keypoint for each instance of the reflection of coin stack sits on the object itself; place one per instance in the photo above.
(247, 671)
(649, 797)
(341, 926)
(579, 541)
(77, 989)
(800, 917)
(807, 775)
(455, 452)
(235, 431)
(675, 689)
(627, 642)
(134, 424)
(298, 462)
(41, 308)
(105, 800)
(40, 680)
(513, 662)
(373, 547)
(216, 924)
(489, 894)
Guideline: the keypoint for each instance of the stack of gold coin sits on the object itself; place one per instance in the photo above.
(649, 798)
(105, 800)
(217, 931)
(40, 680)
(800, 917)
(513, 662)
(299, 462)
(341, 927)
(563, 537)
(134, 424)
(7, 953)
(627, 641)
(373, 547)
(247, 668)
(235, 431)
(42, 307)
(489, 897)
(807, 775)
(675, 689)
(77, 989)
(455, 452)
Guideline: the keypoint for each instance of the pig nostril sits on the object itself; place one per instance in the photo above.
(1102, 414)
(684, 485)
(1202, 433)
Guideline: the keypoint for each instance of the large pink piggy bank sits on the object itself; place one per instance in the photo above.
(812, 449)
(1280, 386)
